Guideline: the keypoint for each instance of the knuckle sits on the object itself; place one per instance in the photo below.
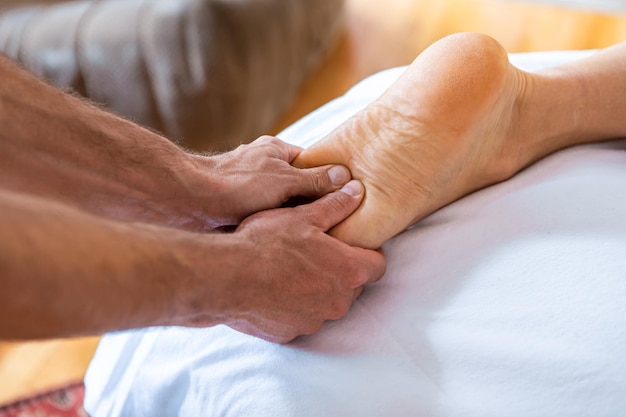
(362, 275)
(265, 139)
(274, 147)
(337, 202)
(312, 328)
(271, 140)
(318, 180)
(339, 309)
(359, 275)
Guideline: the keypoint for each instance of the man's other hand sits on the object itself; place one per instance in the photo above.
(300, 276)
(259, 176)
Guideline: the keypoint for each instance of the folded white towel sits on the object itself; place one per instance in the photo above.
(509, 302)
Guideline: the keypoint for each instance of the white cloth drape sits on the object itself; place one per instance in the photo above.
(509, 302)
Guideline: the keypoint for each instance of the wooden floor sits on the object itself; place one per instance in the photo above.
(379, 35)
(385, 34)
(30, 368)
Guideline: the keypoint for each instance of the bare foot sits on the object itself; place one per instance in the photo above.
(446, 128)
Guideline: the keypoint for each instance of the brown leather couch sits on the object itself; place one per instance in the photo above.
(209, 74)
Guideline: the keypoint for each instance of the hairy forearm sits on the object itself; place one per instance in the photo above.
(65, 272)
(58, 146)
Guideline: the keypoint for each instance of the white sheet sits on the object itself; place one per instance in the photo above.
(509, 302)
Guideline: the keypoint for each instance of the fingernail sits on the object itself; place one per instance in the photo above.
(353, 188)
(339, 175)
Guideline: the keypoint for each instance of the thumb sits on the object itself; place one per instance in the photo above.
(334, 207)
(317, 181)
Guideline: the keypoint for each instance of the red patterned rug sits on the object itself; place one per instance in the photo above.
(63, 402)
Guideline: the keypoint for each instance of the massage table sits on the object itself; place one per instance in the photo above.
(508, 302)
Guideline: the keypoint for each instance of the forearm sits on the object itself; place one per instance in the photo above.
(65, 272)
(58, 146)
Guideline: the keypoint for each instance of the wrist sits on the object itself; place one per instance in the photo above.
(205, 291)
(176, 189)
(176, 280)
(158, 182)
(214, 186)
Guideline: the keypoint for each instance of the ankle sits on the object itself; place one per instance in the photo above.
(550, 113)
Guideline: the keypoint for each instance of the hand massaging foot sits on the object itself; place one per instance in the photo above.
(207, 73)
(447, 127)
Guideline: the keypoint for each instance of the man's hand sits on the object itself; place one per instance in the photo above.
(66, 272)
(296, 276)
(259, 176)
